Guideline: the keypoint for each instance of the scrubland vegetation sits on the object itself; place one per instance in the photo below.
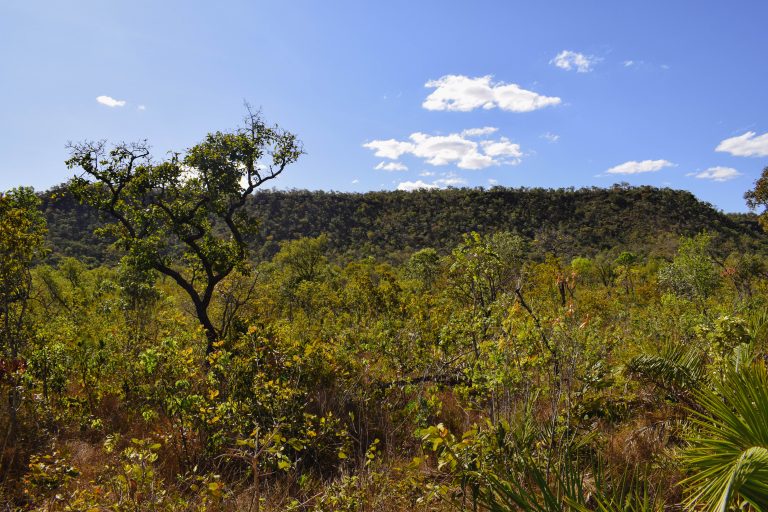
(510, 369)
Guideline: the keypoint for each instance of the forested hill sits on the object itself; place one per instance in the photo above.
(393, 224)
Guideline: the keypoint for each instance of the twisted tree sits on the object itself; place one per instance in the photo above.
(759, 197)
(184, 217)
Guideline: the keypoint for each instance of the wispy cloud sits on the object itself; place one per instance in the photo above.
(450, 180)
(141, 107)
(550, 137)
(464, 94)
(109, 101)
(635, 167)
(454, 148)
(391, 166)
(579, 62)
(748, 144)
(716, 174)
(479, 132)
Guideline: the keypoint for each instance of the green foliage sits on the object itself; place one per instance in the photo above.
(499, 470)
(540, 368)
(728, 457)
(424, 267)
(392, 225)
(676, 369)
(48, 473)
(169, 217)
(22, 235)
(759, 196)
(692, 274)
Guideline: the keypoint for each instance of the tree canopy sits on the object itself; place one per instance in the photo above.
(22, 237)
(758, 197)
(184, 216)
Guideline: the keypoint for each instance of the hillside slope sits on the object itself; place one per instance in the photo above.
(394, 224)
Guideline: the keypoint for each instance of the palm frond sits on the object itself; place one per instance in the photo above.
(729, 456)
(678, 369)
(532, 490)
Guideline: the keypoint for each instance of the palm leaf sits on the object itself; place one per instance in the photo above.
(532, 490)
(677, 369)
(729, 457)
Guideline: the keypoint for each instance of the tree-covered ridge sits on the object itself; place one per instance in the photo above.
(391, 225)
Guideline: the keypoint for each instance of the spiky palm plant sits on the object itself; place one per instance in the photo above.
(678, 369)
(565, 490)
(528, 488)
(728, 458)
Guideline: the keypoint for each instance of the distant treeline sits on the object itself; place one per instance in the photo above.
(392, 225)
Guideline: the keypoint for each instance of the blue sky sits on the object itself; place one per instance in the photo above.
(433, 93)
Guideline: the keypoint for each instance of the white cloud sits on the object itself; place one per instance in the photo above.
(410, 186)
(444, 149)
(748, 144)
(634, 167)
(551, 137)
(628, 63)
(355, 181)
(716, 174)
(141, 107)
(389, 148)
(391, 166)
(492, 181)
(569, 60)
(425, 174)
(450, 180)
(453, 148)
(463, 94)
(502, 147)
(478, 132)
(110, 101)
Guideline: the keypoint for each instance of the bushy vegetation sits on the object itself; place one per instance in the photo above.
(390, 226)
(501, 369)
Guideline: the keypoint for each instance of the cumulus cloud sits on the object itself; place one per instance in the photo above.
(410, 186)
(748, 144)
(454, 148)
(501, 148)
(109, 101)
(569, 60)
(463, 94)
(391, 166)
(634, 167)
(389, 148)
(716, 174)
